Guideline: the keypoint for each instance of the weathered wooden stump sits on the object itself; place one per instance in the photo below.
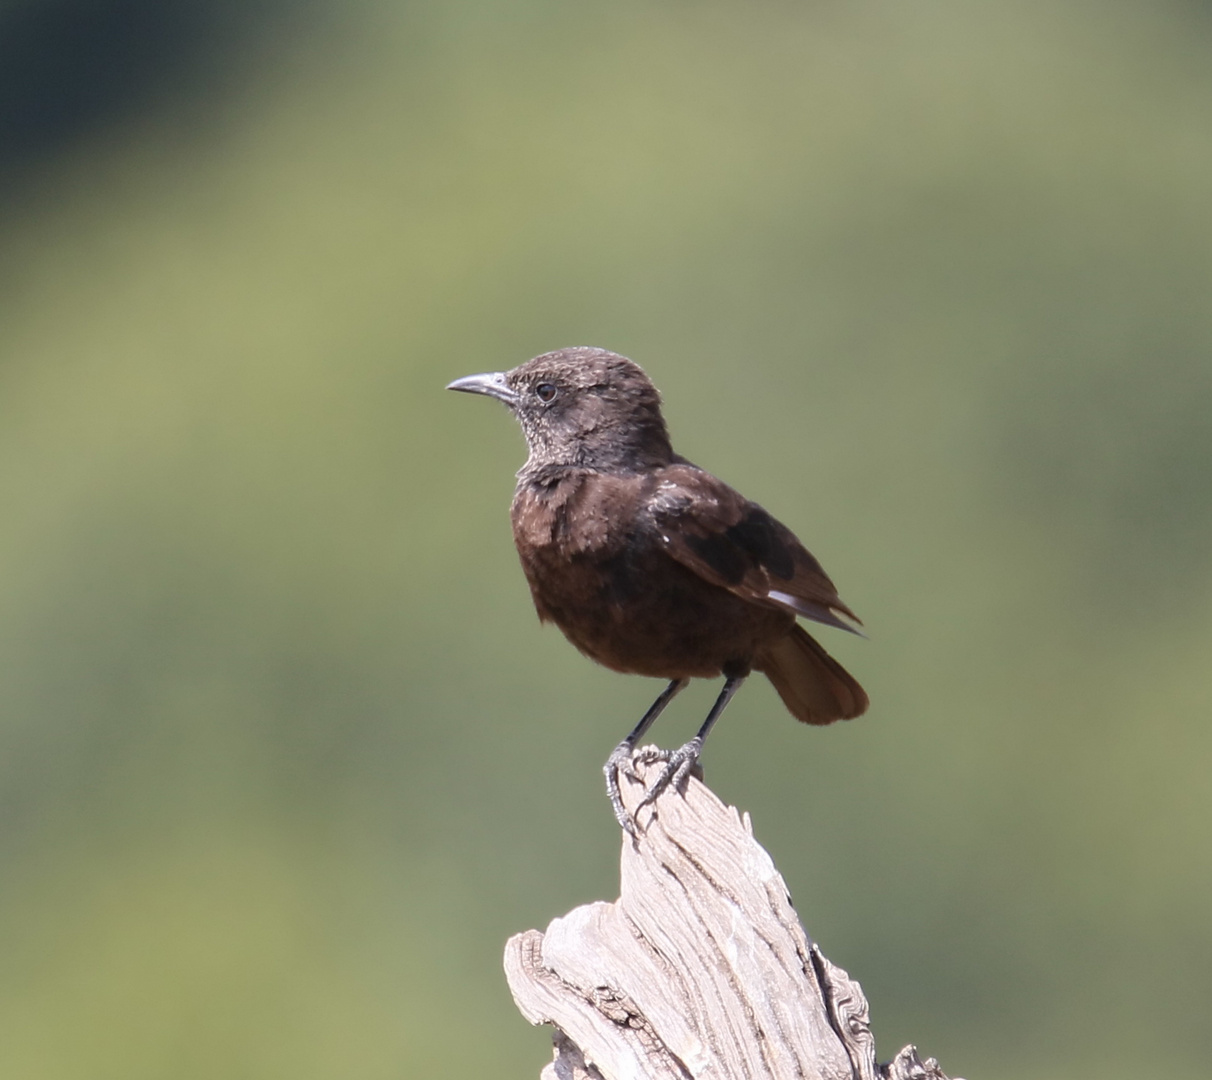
(700, 970)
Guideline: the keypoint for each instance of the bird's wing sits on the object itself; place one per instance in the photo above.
(734, 543)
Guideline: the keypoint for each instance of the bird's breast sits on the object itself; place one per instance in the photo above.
(598, 569)
(581, 513)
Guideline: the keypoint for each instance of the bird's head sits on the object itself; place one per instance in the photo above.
(581, 406)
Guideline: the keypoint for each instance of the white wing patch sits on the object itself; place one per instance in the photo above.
(817, 612)
(786, 599)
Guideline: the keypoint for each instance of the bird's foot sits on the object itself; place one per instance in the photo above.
(678, 765)
(620, 761)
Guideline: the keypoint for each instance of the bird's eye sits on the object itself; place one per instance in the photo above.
(545, 392)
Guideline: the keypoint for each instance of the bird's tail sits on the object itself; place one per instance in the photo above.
(814, 687)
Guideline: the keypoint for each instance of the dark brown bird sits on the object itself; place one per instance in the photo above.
(649, 564)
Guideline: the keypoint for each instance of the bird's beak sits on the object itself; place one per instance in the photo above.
(492, 383)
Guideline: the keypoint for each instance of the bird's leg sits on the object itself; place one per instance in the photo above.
(679, 762)
(620, 759)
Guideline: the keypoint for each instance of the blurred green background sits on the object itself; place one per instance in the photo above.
(284, 753)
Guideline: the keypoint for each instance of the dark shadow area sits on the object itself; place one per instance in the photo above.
(69, 67)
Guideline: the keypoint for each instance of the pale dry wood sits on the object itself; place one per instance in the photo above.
(700, 970)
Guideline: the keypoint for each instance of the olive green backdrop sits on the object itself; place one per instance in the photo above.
(284, 753)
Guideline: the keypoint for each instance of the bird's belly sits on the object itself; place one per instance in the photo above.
(661, 620)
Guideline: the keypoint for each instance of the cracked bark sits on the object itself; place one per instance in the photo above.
(701, 969)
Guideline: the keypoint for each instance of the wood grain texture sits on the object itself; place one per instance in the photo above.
(700, 970)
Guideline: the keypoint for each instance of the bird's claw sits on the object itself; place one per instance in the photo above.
(620, 761)
(678, 765)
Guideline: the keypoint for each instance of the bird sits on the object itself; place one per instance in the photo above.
(651, 565)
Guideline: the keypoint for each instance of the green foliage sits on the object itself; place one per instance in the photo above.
(284, 754)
